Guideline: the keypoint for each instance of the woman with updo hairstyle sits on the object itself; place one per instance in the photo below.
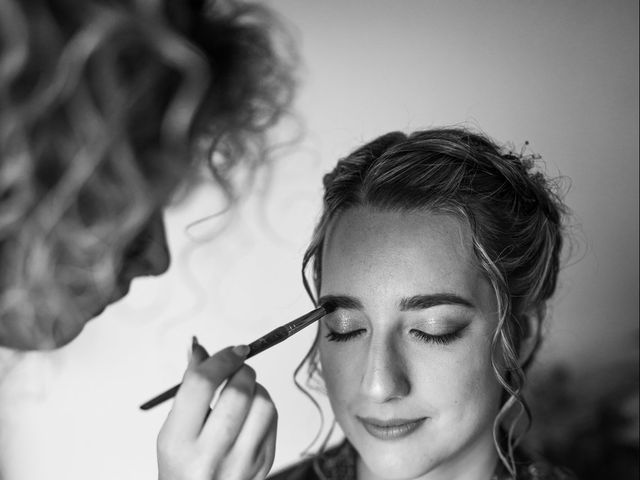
(109, 110)
(438, 252)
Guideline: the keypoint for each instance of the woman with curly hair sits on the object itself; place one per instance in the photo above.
(107, 106)
(107, 109)
(438, 251)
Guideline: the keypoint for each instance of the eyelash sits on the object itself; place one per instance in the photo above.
(444, 339)
(343, 337)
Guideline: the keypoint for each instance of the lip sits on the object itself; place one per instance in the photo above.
(391, 429)
(122, 290)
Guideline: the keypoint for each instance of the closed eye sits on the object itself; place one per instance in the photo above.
(443, 339)
(343, 337)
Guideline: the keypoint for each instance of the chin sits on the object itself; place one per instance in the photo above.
(393, 465)
(30, 339)
(398, 459)
(44, 333)
(67, 336)
(62, 332)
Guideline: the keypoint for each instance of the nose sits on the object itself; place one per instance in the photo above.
(157, 255)
(385, 375)
(149, 252)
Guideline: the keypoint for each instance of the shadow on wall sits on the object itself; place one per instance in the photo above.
(589, 425)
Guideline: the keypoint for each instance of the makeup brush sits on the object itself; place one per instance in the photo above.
(260, 345)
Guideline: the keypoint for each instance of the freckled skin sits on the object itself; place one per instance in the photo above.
(386, 371)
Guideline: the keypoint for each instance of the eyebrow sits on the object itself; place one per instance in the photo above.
(341, 301)
(417, 302)
(421, 302)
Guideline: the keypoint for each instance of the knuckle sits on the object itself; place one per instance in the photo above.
(223, 358)
(263, 399)
(221, 364)
(244, 380)
(197, 380)
(194, 376)
(262, 393)
(247, 374)
(271, 412)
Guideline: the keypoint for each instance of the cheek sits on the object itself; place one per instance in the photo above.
(479, 382)
(461, 381)
(339, 379)
(483, 378)
(481, 401)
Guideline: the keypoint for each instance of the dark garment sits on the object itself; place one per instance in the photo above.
(339, 463)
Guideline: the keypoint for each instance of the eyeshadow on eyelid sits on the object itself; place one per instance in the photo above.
(442, 325)
(340, 323)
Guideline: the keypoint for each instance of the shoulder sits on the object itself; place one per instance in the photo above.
(542, 470)
(534, 467)
(337, 463)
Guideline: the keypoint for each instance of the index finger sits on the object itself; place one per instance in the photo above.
(199, 385)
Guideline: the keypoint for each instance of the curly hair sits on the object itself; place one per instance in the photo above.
(516, 219)
(106, 108)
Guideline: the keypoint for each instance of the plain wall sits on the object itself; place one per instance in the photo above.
(561, 74)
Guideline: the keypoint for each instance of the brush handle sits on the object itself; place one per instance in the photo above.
(260, 345)
(163, 397)
(269, 340)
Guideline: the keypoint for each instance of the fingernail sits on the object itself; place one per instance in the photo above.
(190, 350)
(241, 350)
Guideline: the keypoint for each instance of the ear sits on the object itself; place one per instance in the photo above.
(531, 322)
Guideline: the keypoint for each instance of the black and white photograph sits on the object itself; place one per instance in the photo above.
(330, 240)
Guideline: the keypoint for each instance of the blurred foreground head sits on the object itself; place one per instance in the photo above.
(106, 108)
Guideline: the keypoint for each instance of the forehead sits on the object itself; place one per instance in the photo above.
(415, 252)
